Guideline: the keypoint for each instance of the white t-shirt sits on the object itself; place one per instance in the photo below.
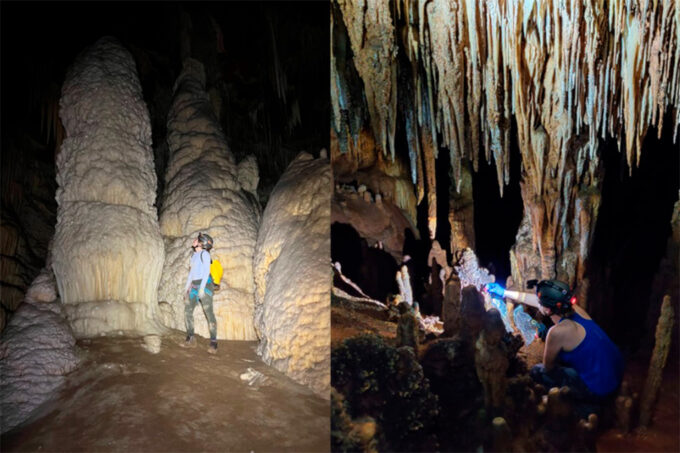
(200, 269)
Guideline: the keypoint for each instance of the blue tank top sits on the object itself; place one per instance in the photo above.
(596, 359)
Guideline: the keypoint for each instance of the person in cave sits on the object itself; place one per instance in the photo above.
(199, 287)
(578, 353)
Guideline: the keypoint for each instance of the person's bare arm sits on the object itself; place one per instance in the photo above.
(553, 345)
(524, 298)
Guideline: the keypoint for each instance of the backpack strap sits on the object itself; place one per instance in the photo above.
(201, 256)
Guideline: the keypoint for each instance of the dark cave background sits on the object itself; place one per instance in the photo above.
(270, 69)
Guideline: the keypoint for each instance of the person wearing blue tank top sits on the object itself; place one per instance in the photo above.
(578, 353)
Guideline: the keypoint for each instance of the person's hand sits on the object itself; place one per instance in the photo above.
(495, 289)
(201, 294)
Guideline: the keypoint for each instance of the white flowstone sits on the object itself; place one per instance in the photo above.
(207, 192)
(152, 344)
(293, 285)
(36, 352)
(43, 288)
(107, 250)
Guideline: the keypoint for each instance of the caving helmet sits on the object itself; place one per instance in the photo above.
(555, 295)
(205, 240)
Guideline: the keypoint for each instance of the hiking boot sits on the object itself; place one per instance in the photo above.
(212, 349)
(190, 342)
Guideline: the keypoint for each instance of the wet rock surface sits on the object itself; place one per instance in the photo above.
(125, 399)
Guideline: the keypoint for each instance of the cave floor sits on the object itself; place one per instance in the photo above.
(123, 398)
(663, 434)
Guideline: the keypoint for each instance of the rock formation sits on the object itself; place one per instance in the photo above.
(205, 192)
(29, 213)
(292, 280)
(36, 352)
(664, 330)
(108, 252)
(378, 218)
(407, 328)
(566, 76)
(491, 359)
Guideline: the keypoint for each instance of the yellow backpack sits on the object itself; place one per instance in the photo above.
(216, 271)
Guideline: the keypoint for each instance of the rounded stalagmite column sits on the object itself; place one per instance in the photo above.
(292, 278)
(108, 251)
(206, 191)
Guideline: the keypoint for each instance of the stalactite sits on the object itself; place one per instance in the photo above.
(371, 33)
(461, 213)
(568, 76)
(428, 146)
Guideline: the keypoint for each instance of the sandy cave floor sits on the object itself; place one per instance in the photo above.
(123, 398)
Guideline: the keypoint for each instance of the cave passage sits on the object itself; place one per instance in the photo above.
(372, 269)
(497, 218)
(631, 234)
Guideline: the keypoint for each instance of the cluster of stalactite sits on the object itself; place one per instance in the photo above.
(457, 72)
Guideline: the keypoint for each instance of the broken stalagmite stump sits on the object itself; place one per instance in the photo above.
(664, 330)
(502, 437)
(451, 306)
(491, 359)
(407, 328)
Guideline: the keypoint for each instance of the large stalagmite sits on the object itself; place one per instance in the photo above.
(207, 192)
(108, 251)
(292, 275)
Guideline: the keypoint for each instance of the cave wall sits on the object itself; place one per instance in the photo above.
(207, 191)
(293, 276)
(107, 250)
(29, 213)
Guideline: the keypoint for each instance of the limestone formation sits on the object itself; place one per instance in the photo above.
(404, 282)
(462, 213)
(566, 76)
(407, 328)
(472, 313)
(371, 33)
(491, 359)
(383, 220)
(36, 352)
(664, 330)
(293, 285)
(107, 250)
(439, 255)
(502, 437)
(206, 191)
(451, 306)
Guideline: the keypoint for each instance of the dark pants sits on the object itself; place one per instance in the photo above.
(586, 401)
(206, 303)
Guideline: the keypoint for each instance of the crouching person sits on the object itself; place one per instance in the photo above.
(578, 353)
